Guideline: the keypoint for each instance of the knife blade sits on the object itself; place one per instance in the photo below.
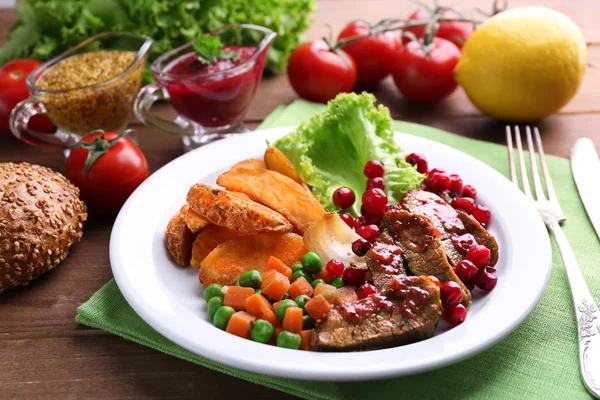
(585, 166)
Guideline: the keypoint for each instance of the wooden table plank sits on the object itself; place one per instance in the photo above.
(108, 367)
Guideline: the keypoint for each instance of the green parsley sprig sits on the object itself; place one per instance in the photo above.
(209, 49)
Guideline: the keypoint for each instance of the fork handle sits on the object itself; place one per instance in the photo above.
(586, 311)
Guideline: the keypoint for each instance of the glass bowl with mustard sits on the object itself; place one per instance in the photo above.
(92, 86)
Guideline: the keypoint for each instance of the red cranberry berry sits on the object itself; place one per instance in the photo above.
(354, 275)
(374, 169)
(469, 191)
(363, 211)
(364, 290)
(455, 315)
(375, 219)
(360, 247)
(347, 218)
(479, 255)
(451, 293)
(344, 197)
(370, 232)
(466, 271)
(419, 160)
(456, 184)
(482, 214)
(374, 201)
(486, 279)
(465, 203)
(439, 182)
(376, 182)
(335, 268)
(435, 280)
(437, 171)
(360, 222)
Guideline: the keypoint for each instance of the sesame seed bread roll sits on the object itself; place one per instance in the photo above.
(41, 217)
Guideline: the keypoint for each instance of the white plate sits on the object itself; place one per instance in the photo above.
(170, 298)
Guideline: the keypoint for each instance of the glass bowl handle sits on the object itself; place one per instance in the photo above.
(142, 108)
(19, 118)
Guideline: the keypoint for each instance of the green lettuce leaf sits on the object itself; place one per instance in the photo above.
(330, 150)
(46, 28)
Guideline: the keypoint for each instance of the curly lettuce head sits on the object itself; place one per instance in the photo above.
(330, 150)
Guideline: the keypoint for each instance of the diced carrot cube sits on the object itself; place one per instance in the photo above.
(318, 307)
(278, 265)
(301, 286)
(275, 284)
(292, 321)
(239, 324)
(323, 274)
(260, 307)
(306, 336)
(236, 297)
(346, 294)
(328, 291)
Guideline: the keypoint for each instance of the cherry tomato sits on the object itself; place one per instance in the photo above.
(112, 177)
(373, 55)
(426, 78)
(456, 32)
(319, 74)
(14, 90)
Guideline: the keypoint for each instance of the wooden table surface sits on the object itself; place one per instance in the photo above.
(46, 354)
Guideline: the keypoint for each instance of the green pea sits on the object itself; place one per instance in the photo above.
(301, 300)
(316, 282)
(284, 305)
(289, 340)
(213, 290)
(296, 267)
(262, 331)
(338, 282)
(222, 316)
(258, 291)
(308, 322)
(251, 278)
(300, 273)
(312, 262)
(213, 305)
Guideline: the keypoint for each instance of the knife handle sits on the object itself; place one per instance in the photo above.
(586, 311)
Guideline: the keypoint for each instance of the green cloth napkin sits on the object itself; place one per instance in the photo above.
(538, 360)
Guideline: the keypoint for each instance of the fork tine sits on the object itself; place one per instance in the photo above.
(511, 158)
(524, 178)
(551, 193)
(537, 184)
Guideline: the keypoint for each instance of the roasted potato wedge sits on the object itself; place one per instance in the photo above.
(225, 264)
(208, 239)
(179, 238)
(276, 161)
(194, 221)
(250, 163)
(235, 211)
(275, 191)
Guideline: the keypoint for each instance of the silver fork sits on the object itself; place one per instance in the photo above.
(588, 323)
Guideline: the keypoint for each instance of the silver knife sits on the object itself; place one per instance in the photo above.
(586, 171)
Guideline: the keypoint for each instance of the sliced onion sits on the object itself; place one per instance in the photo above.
(331, 238)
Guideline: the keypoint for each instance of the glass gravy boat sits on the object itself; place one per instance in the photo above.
(75, 108)
(210, 102)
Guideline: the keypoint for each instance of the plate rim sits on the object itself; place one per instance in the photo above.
(387, 371)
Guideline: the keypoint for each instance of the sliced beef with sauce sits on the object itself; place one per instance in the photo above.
(459, 230)
(419, 239)
(406, 312)
(384, 260)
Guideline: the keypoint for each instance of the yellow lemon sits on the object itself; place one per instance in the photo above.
(523, 64)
